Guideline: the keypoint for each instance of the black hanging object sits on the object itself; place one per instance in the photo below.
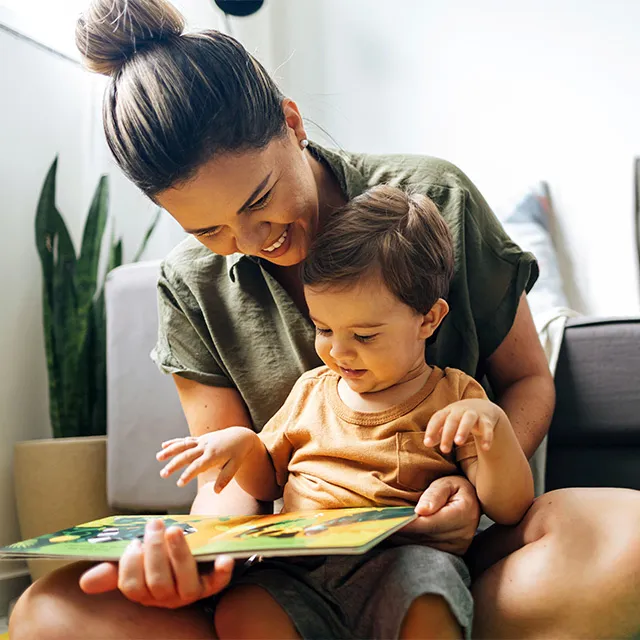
(239, 7)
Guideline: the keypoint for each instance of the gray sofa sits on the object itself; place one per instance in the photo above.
(594, 438)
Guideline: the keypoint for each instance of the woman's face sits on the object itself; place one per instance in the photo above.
(259, 202)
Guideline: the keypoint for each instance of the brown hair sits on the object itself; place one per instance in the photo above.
(174, 99)
(402, 236)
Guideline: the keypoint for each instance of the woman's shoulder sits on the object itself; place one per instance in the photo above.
(408, 170)
(189, 259)
(197, 277)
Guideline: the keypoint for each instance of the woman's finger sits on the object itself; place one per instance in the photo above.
(100, 578)
(131, 580)
(433, 499)
(219, 578)
(180, 461)
(157, 567)
(184, 566)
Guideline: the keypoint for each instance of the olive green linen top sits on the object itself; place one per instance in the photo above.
(225, 321)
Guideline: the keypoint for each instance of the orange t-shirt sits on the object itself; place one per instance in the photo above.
(327, 455)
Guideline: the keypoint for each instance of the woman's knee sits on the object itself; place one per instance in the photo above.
(429, 616)
(574, 572)
(42, 609)
(249, 611)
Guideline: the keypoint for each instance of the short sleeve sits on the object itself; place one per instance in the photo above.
(279, 434)
(274, 438)
(184, 346)
(470, 389)
(496, 270)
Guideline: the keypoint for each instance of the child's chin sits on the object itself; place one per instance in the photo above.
(359, 386)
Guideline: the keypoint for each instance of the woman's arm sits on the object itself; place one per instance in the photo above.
(519, 375)
(208, 409)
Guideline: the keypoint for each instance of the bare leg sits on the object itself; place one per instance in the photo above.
(429, 617)
(250, 612)
(573, 572)
(55, 608)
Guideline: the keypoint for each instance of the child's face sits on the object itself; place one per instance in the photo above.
(368, 336)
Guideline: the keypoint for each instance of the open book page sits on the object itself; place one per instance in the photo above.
(342, 531)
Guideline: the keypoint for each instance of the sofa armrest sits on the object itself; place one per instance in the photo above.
(143, 408)
(594, 439)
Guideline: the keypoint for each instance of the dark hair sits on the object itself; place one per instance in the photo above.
(402, 236)
(174, 99)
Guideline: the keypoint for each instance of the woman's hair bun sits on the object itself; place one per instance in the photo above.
(110, 32)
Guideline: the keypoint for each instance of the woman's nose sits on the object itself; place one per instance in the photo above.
(251, 235)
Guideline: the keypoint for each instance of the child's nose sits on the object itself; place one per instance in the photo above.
(341, 351)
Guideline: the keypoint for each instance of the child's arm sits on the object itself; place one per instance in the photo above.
(236, 451)
(500, 473)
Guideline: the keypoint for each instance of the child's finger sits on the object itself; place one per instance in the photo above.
(449, 430)
(166, 443)
(467, 422)
(226, 475)
(180, 461)
(200, 464)
(486, 437)
(434, 427)
(176, 446)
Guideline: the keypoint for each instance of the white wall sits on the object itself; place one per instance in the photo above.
(48, 106)
(511, 92)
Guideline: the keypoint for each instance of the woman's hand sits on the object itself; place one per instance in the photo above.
(162, 572)
(224, 450)
(448, 514)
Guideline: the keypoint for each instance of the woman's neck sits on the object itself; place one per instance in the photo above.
(330, 195)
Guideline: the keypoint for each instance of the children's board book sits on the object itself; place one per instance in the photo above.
(297, 533)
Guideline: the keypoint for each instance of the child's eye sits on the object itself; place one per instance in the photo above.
(323, 332)
(262, 202)
(365, 339)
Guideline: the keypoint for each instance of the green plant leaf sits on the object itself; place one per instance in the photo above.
(115, 254)
(58, 261)
(73, 310)
(89, 260)
(147, 235)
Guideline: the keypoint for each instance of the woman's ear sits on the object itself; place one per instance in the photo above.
(293, 118)
(432, 319)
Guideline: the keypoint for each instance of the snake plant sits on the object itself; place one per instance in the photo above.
(73, 310)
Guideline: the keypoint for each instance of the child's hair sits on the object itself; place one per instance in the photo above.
(401, 236)
(174, 99)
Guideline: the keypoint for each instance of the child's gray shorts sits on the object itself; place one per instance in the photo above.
(365, 596)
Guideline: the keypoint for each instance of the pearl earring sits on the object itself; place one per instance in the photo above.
(304, 143)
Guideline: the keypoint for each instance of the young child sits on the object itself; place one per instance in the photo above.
(373, 427)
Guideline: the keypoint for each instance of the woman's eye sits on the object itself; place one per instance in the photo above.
(365, 339)
(323, 332)
(262, 202)
(211, 233)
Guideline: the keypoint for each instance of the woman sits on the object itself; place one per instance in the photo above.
(200, 127)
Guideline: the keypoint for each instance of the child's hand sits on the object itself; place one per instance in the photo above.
(459, 420)
(224, 450)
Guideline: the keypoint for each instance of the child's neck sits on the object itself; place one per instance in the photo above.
(386, 398)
